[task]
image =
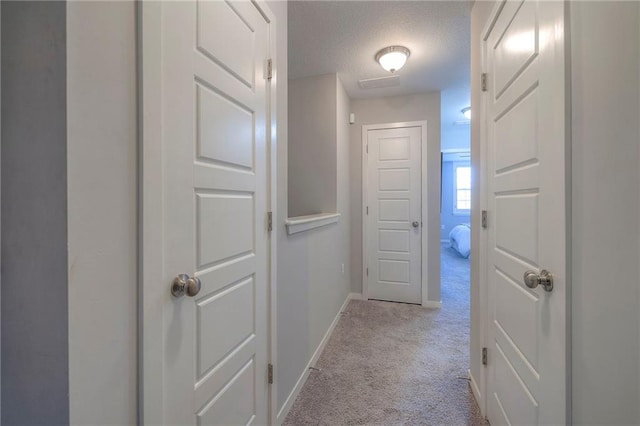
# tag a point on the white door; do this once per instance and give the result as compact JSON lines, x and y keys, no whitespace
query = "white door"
{"x":393,"y":214}
{"x":214,"y":136}
{"x":527,"y":349}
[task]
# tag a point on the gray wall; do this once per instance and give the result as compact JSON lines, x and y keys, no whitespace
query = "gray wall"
{"x":423,"y":106}
{"x":310,"y":285}
{"x":606,"y":292}
{"x":101,"y":98}
{"x":312,"y":145}
{"x":34,"y":214}
{"x":448,"y":220}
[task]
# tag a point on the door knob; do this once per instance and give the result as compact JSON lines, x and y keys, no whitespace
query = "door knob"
{"x":533,"y":280}
{"x":415,"y":224}
{"x":184,"y":284}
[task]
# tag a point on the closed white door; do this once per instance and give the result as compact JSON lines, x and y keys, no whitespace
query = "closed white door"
{"x":393,"y":214}
{"x":214,"y":148}
{"x":527,"y":350}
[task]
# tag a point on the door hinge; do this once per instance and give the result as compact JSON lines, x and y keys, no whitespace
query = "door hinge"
{"x":484,"y":219}
{"x":269,"y":69}
{"x":367,"y":209}
{"x":484,"y":356}
{"x":270,"y":374}
{"x":269,"y":221}
{"x":367,"y":148}
{"x":367,"y":271}
{"x":483,"y":80}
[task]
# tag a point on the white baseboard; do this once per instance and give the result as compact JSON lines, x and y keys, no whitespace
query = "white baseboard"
{"x":354,"y":296}
{"x":476,"y":393}
{"x":282,"y":414}
{"x":432,"y":304}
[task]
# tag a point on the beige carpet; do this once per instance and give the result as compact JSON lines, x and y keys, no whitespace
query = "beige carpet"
{"x":396,"y":364}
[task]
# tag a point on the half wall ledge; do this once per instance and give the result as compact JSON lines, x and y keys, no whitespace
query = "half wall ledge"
{"x":306,"y":223}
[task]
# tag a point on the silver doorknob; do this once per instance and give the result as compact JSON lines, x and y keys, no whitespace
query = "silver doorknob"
{"x":533,"y":280}
{"x":415,"y":224}
{"x":184,"y":284}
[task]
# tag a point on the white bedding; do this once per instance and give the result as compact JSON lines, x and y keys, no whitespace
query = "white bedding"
{"x":460,"y":237}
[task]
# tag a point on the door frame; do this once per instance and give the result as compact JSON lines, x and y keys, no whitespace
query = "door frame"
{"x":423,"y":193}
{"x":480,"y":389}
{"x":150,"y":201}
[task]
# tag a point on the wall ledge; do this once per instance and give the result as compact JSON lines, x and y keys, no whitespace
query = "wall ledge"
{"x":306,"y":223}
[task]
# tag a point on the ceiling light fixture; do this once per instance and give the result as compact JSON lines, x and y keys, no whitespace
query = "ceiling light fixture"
{"x":466,"y":112}
{"x":392,"y":58}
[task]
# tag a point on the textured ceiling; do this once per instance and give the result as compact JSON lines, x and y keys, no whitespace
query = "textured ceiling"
{"x":343,"y":37}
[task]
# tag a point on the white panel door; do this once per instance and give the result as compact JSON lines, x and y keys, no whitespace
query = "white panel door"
{"x":214,"y":103}
{"x":527,"y":376}
{"x":394,"y":215}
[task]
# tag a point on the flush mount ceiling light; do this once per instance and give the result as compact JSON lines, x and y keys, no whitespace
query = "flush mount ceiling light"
{"x":466,"y":112}
{"x":392,"y":58}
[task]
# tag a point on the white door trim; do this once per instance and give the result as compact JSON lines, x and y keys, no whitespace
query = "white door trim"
{"x":483,"y":244}
{"x":272,"y":202}
{"x":150,"y":198}
{"x":424,"y":195}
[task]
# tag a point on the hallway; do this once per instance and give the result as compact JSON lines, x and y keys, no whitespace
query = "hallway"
{"x":391,"y":363}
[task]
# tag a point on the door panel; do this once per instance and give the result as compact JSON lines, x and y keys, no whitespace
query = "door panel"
{"x":397,"y":241}
{"x":517,"y":316}
{"x":224,"y":217}
{"x":216,"y":18}
{"x":394,"y":271}
{"x":215,"y":202}
{"x":515,"y":48}
{"x":394,"y":210}
{"x":394,"y":246}
{"x":517,"y":237}
{"x":518,"y":400}
{"x":232,"y":407}
{"x":515,"y":135}
{"x":527,"y":376}
{"x":394,"y":180}
{"x":393,"y":149}
{"x":235,"y":308}
{"x":224,"y":130}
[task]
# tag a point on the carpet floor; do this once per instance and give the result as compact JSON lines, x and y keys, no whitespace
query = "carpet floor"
{"x":396,"y":364}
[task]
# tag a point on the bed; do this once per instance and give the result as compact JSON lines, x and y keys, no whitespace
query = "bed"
{"x":460,"y":238}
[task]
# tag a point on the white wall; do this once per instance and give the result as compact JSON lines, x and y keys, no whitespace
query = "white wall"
{"x":479,"y":15}
{"x":101,"y":155}
{"x":423,"y":106}
{"x":606,"y":308}
{"x":312,"y":145}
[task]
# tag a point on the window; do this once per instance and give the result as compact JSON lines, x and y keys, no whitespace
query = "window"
{"x":462,"y":189}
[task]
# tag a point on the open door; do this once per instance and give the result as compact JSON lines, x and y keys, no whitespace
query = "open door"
{"x":205,"y":185}
{"x":527,"y":209}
